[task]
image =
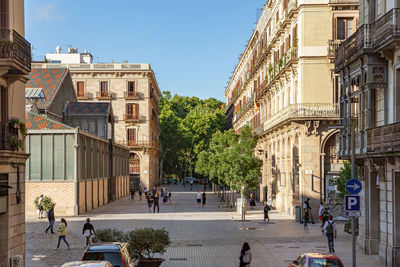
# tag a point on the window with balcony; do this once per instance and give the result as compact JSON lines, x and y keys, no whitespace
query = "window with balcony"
{"x":80,"y":89}
{"x":3,"y":104}
{"x":104,"y":88}
{"x":131,"y":137}
{"x":132,"y":111}
{"x":344,"y":28}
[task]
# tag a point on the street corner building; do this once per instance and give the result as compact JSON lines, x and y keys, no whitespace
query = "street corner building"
{"x":285,"y":89}
{"x":73,"y":158}
{"x":368,"y":63}
{"x":15,"y":64}
{"x":133,"y":91}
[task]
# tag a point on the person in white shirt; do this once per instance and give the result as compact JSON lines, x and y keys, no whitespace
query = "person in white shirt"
{"x":330,"y":232}
{"x":321,"y":212}
{"x":198,"y":197}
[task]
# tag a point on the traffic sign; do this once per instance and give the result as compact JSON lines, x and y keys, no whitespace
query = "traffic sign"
{"x":353,"y":186}
{"x":353,"y":213}
{"x":352,"y":203}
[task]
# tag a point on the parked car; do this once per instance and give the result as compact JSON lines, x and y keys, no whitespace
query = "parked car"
{"x":316,"y":260}
{"x":195,"y":180}
{"x":87,"y":264}
{"x":118,"y":254}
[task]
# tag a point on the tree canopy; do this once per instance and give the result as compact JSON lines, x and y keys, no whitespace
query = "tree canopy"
{"x":187,"y":125}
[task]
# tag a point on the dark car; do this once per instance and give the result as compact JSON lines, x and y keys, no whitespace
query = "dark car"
{"x":316,"y":260}
{"x":118,"y":254}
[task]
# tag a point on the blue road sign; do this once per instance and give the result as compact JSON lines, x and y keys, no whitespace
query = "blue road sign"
{"x":352,"y":203}
{"x":353,"y":186}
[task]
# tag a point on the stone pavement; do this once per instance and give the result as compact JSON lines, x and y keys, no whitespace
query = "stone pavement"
{"x":210,"y":236}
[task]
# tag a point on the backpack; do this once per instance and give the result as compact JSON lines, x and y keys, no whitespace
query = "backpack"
{"x":329,"y":228}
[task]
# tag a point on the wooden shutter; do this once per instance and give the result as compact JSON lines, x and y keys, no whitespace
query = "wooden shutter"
{"x":3,"y":104}
{"x":135,"y":110}
{"x":81,"y":88}
{"x":129,"y":108}
{"x":131,"y":87}
{"x":131,"y":136}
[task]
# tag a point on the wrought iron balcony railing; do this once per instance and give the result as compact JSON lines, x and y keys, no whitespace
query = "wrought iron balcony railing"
{"x":131,"y":95}
{"x":83,"y":96}
{"x":14,"y":47}
{"x":332,"y":46}
{"x":103,"y":95}
{"x":7,"y":135}
{"x":386,"y":27}
{"x":300,"y":111}
{"x":384,"y":139}
{"x":131,"y":117}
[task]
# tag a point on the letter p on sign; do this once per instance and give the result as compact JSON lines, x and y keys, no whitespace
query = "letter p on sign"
{"x":352,"y":203}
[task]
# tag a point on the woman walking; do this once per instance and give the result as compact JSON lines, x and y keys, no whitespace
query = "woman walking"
{"x":149,"y":201}
{"x":245,"y":255}
{"x":140,"y":192}
{"x":62,"y":233}
{"x":203,"y":199}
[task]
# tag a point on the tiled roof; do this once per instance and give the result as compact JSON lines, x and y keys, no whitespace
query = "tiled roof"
{"x":85,"y":108}
{"x":48,"y":80}
{"x":36,"y":121}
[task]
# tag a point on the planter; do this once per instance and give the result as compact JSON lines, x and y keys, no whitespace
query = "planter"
{"x":154,"y":262}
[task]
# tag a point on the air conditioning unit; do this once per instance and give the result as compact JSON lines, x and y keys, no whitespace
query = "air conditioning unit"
{"x":17,"y":261}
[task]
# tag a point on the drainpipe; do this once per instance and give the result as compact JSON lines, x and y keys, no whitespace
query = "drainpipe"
{"x":76,"y":198}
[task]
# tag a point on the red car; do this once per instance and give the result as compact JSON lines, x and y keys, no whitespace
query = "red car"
{"x":316,"y":260}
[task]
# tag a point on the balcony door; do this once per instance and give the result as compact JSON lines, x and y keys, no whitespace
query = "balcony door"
{"x":131,"y":88}
{"x":3,"y":104}
{"x":132,"y":109}
{"x":3,"y":14}
{"x":104,"y":88}
{"x":344,"y":28}
{"x":80,"y":88}
{"x":131,"y":136}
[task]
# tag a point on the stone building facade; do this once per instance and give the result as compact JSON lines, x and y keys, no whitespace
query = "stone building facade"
{"x":284,"y":88}
{"x":369,"y":66}
{"x":133,"y":91}
{"x":15,"y":64}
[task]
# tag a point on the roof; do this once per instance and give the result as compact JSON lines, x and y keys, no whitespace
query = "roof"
{"x":87,"y":108}
{"x":35,"y":121}
{"x":48,"y":80}
{"x":34,"y":93}
{"x":105,"y":247}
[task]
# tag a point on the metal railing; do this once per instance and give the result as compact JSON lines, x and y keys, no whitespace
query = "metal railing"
{"x":343,"y":2}
{"x":6,"y":133}
{"x":83,"y":96}
{"x":131,"y":117}
{"x":14,"y":46}
{"x":332,"y":46}
{"x":139,"y":144}
{"x":298,"y":111}
{"x":103,"y":95}
{"x":131,"y":95}
{"x":386,"y":26}
{"x":384,"y":139}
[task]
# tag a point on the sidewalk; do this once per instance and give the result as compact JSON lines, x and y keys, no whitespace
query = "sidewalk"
{"x":209,"y":236}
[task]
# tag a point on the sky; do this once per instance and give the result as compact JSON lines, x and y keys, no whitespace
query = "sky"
{"x":191,"y":45}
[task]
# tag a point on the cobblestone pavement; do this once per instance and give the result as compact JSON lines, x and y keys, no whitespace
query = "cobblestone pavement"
{"x":210,"y":236}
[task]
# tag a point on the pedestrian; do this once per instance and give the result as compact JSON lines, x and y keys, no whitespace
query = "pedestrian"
{"x":162,"y":191}
{"x":88,"y":231}
{"x":132,"y":193}
{"x":245,"y":255}
{"x":330,"y":232}
{"x":205,"y":185}
{"x":51,"y":218}
{"x":40,"y":206}
{"x":169,"y":196}
{"x":252,"y":201}
{"x":165,"y":196}
{"x":140,"y":192}
{"x":267,"y":208}
{"x":62,"y":230}
{"x":198,"y":197}
{"x":156,"y":198}
{"x":149,"y":201}
{"x":203,"y":199}
{"x":191,"y":184}
{"x":306,"y":218}
{"x":307,"y":206}
{"x":320,"y":212}
{"x":325,"y":216}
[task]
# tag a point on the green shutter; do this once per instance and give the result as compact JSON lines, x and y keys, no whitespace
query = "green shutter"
{"x":58,"y":157}
{"x":69,"y":157}
{"x":47,"y":157}
{"x":35,"y":157}
{"x":27,"y":170}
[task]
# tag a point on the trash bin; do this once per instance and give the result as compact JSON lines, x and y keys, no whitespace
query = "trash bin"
{"x":297,"y":213}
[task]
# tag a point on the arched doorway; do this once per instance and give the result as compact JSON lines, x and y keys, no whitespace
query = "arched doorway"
{"x":134,"y":170}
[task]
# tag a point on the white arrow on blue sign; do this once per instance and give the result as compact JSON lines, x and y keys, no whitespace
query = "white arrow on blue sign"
{"x":353,"y":186}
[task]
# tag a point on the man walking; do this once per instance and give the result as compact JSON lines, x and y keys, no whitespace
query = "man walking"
{"x":88,"y":231}
{"x":191,"y":184}
{"x":156,"y":199}
{"x":330,"y":232}
{"x":140,"y":192}
{"x":267,"y":208}
{"x":198,"y":197}
{"x":50,"y":216}
{"x":321,"y":212}
{"x":132,"y":193}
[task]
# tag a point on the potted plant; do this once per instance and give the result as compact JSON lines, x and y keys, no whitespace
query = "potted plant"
{"x":146,"y":243}
{"x":47,"y":204}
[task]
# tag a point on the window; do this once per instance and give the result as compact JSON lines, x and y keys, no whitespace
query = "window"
{"x":80,"y":88}
{"x":344,"y":28}
{"x":131,"y":136}
{"x":131,"y":87}
{"x":380,"y":8}
{"x":3,"y":104}
{"x":132,"y":108}
{"x":104,"y":88}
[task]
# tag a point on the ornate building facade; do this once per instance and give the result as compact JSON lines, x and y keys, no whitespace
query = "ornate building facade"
{"x":133,"y":91}
{"x":369,"y":66}
{"x":284,"y":88}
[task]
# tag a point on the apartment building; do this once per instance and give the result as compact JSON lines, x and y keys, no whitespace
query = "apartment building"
{"x":15,"y":64}
{"x":133,"y":91}
{"x":369,"y":66}
{"x":284,"y":88}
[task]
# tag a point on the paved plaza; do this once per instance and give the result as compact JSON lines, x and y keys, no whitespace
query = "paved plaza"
{"x":210,"y":236}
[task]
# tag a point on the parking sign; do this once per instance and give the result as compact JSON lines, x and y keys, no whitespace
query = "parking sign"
{"x":352,"y":203}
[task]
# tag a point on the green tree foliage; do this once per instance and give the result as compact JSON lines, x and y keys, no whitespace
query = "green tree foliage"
{"x":341,"y":180}
{"x":187,"y":125}
{"x":230,"y":159}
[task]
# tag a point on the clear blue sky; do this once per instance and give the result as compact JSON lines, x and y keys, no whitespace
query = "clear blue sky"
{"x":192,"y":45}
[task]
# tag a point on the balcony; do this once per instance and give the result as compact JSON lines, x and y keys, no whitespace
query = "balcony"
{"x":386,"y":30}
{"x":16,"y":50}
{"x":353,"y":46}
{"x":384,"y":139}
{"x":302,"y":111}
{"x":343,"y":2}
{"x":9,"y":138}
{"x":131,"y":95}
{"x":332,"y":46}
{"x":84,"y":96}
{"x":131,"y":118}
{"x":133,"y":144}
{"x":103,"y":95}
